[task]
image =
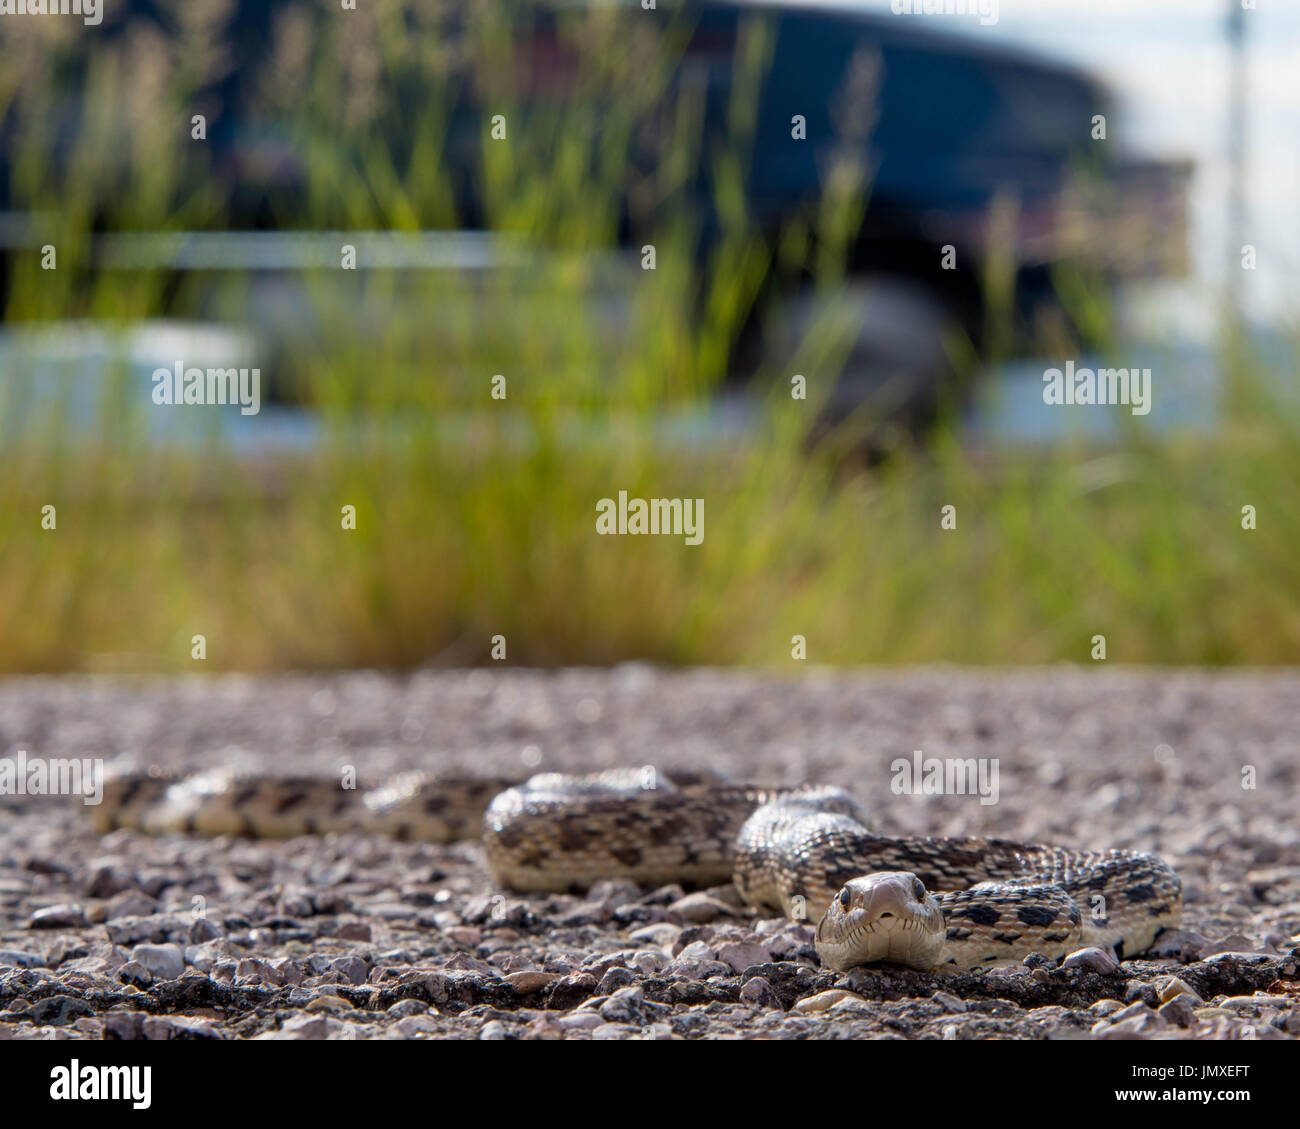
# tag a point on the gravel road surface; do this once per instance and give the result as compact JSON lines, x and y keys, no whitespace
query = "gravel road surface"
{"x":353,"y":937}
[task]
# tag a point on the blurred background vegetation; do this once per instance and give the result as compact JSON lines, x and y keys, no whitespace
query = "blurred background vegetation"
{"x":476,"y":517}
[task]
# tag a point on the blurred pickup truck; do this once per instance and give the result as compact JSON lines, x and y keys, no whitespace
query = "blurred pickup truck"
{"x":967,"y":145}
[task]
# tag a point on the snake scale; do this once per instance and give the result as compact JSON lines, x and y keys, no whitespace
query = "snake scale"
{"x":925,"y":903}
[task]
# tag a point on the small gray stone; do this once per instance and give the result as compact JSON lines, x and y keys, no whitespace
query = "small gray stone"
{"x":699,"y":908}
{"x":528,"y":981}
{"x":179,"y":1027}
{"x":650,"y":961}
{"x":614,"y":893}
{"x":613,"y":980}
{"x":1133,"y":1010}
{"x":124,"y":1025}
{"x":405,"y":1008}
{"x":352,"y":967}
{"x":823,"y":1001}
{"x":129,"y":903}
{"x":311,"y":1027}
{"x":1106,"y":1007}
{"x":743,"y":955}
{"x":1233,"y":943}
{"x":949,"y":1002}
{"x":108,"y":878}
{"x":1134,"y":1027}
{"x":661,"y":935}
{"x":1238,"y":1003}
{"x":412,"y":1025}
{"x":624,"y":1006}
{"x":353,"y":931}
{"x":1172,"y":988}
{"x":1092,"y":959}
{"x":697,"y":950}
{"x":697,"y":969}
{"x":1180,"y":1010}
{"x":330,"y":1003}
{"x":164,"y":962}
{"x":133,"y":972}
{"x":58,"y":917}
{"x":202,"y":930}
{"x":757,"y":991}
{"x":581,"y":1020}
{"x":1234,"y":957}
{"x":58,"y":1011}
{"x":286,"y":971}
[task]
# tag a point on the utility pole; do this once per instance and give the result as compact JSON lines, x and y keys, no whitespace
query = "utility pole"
{"x":1235,"y":148}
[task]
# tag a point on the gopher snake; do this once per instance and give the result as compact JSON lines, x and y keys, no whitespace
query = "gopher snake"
{"x":927,"y":903}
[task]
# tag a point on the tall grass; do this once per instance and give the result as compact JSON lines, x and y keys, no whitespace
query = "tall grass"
{"x":475,"y":516}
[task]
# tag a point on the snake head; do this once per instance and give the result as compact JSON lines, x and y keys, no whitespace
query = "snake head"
{"x":887,"y":916}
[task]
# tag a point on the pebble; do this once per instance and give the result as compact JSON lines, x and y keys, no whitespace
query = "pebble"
{"x":202,"y":930}
{"x":700,"y":908}
{"x":526,"y":983}
{"x":1180,"y":1010}
{"x":568,"y":991}
{"x":129,"y":903}
{"x":329,"y":1003}
{"x":107,"y":878}
{"x":758,"y":991}
{"x":164,"y":962}
{"x":58,"y":917}
{"x":662,"y":935}
{"x":624,"y":1006}
{"x":1092,"y":959}
{"x":165,"y":1027}
{"x":615,"y":978}
{"x":949,"y":1002}
{"x":1131,"y":1012}
{"x":1239,"y":1002}
{"x":739,"y":957}
{"x":353,"y":968}
{"x":311,"y":1027}
{"x":353,"y":931}
{"x":1233,"y":943}
{"x":696,"y":950}
{"x":650,"y":961}
{"x":1106,"y":1007}
{"x":57,"y":1011}
{"x":823,"y":1001}
{"x":125,"y":1024}
{"x":1172,"y":988}
{"x":696,"y":969}
{"x":1135,"y":1027}
{"x":133,"y":972}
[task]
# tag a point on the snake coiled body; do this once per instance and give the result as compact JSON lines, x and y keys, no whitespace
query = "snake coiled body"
{"x":930,"y":903}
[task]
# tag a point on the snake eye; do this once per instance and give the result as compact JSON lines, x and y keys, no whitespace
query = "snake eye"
{"x":844,"y":898}
{"x":918,"y":890}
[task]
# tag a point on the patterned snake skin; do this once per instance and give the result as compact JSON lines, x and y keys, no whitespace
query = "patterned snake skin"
{"x":929,"y":903}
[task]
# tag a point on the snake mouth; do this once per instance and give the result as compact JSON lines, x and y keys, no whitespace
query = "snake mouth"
{"x":888,"y":916}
